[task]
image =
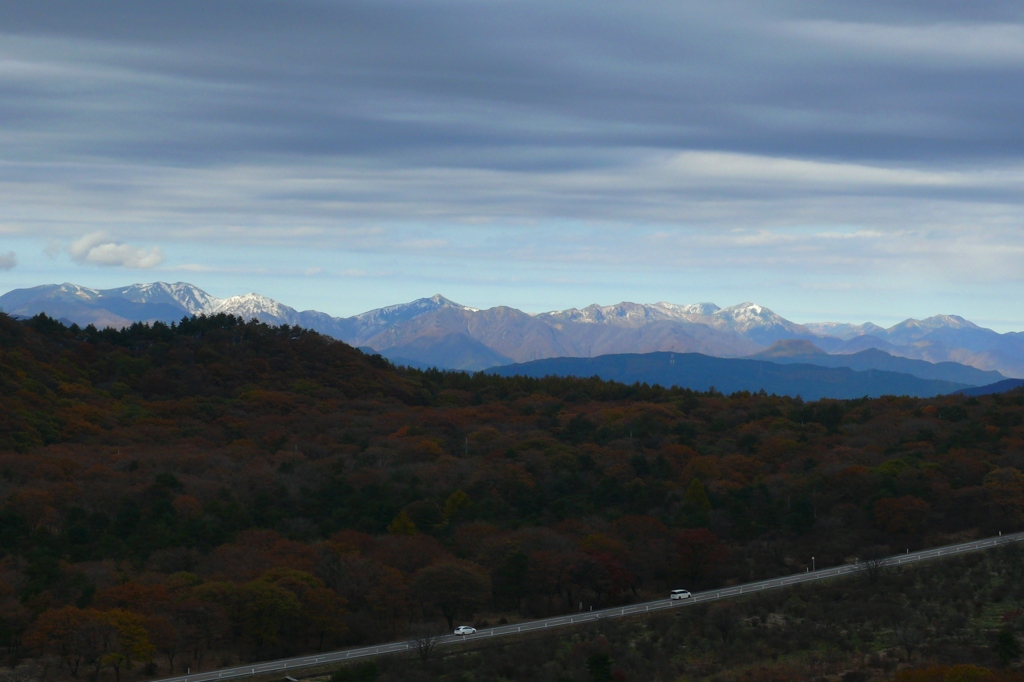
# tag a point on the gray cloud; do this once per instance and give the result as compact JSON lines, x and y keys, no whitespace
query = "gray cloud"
{"x":748,"y":128}
{"x":490,"y":84}
{"x":8,"y":261}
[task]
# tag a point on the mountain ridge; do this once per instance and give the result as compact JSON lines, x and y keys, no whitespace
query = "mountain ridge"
{"x":440,"y":332}
{"x":730,"y":375}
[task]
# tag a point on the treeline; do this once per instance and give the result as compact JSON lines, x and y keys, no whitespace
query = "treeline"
{"x":216,"y":491}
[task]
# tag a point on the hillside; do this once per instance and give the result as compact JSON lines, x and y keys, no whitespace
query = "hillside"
{"x":702,"y":373}
{"x":906,"y":625}
{"x":219,"y":491}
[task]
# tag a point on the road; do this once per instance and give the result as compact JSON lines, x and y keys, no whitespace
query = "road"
{"x":285,"y":666}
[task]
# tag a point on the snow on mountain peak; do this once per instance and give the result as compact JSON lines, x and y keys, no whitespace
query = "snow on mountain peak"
{"x":843,"y":330}
{"x":750,"y":313}
{"x":747,"y":309}
{"x":624,"y":313}
{"x":698,"y":309}
{"x":381,"y":318}
{"x":80,"y":291}
{"x":256,"y":305}
{"x":742,"y":317}
{"x":947,"y":321}
{"x":193,"y":299}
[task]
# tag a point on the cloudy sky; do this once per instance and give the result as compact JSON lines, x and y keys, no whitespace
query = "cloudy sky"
{"x":843,"y":160}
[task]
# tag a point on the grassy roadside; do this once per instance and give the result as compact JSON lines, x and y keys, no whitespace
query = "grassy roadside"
{"x":962,"y":610}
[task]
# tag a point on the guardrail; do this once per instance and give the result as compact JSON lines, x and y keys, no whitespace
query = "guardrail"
{"x":286,"y":665}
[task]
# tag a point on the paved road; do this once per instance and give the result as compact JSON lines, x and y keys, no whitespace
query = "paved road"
{"x":286,"y":665}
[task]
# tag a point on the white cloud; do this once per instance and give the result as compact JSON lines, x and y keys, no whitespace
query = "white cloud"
{"x":8,"y":260}
{"x":97,"y":248}
{"x":957,"y":44}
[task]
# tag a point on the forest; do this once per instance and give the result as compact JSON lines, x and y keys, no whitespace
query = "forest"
{"x":190,"y":496}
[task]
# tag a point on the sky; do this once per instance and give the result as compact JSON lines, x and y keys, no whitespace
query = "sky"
{"x":846,"y":161}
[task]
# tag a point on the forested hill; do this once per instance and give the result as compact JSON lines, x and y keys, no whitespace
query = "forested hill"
{"x":217,"y":491}
{"x":69,"y":384}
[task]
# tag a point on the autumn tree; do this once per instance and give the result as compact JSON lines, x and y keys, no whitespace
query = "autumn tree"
{"x":321,"y":609}
{"x":458,"y":506}
{"x":696,"y":505}
{"x":80,"y":637}
{"x":128,"y":642}
{"x":266,"y":608}
{"x":904,"y":515}
{"x":402,"y":525}
{"x":166,"y":639}
{"x":200,"y":626}
{"x":454,"y":587}
{"x":698,"y":553}
{"x":1005,"y":488}
{"x":389,"y":597}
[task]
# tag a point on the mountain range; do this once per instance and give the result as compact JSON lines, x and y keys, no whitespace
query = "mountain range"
{"x":438,"y":332}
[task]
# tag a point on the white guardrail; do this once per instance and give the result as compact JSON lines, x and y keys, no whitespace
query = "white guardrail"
{"x":286,"y":665}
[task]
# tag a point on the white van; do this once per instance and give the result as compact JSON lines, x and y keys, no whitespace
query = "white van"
{"x":680,"y":594}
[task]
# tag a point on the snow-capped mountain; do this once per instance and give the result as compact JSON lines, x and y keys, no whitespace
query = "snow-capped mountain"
{"x":53,"y":292}
{"x":746,"y":319}
{"x":191,"y":298}
{"x":843,"y":330}
{"x":438,"y":331}
{"x":758,"y":323}
{"x":109,"y":307}
{"x":256,"y":306}
{"x":622,"y":314}
{"x":698,"y":309}
{"x":377,"y":320}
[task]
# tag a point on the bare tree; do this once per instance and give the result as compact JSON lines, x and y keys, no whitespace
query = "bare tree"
{"x":910,"y":636}
{"x":38,"y":670}
{"x":725,"y":618}
{"x":774,"y":545}
{"x":425,"y":638}
{"x":1013,"y":565}
{"x":873,"y":562}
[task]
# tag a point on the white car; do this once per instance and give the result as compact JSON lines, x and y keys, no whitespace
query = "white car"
{"x":465,"y":630}
{"x":680,"y":594}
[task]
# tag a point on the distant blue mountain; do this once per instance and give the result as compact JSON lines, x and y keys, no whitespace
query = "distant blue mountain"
{"x":998,"y":387}
{"x":728,"y":375}
{"x":804,"y":352}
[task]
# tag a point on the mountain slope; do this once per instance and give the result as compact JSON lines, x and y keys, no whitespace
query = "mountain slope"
{"x":788,"y":348}
{"x":449,"y":350}
{"x":506,"y":331}
{"x":701,"y":372}
{"x":366,"y":325}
